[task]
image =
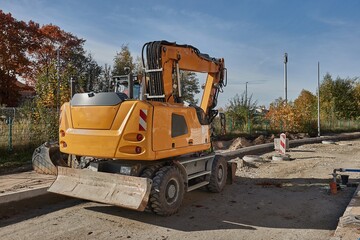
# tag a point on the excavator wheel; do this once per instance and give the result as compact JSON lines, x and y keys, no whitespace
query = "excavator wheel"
{"x":167,"y":191}
{"x":149,"y":172}
{"x":218,"y":175}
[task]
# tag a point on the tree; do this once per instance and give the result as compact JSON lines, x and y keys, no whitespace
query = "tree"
{"x":122,"y":59}
{"x":46,"y":87}
{"x":138,"y":66}
{"x":282,"y":116}
{"x":105,"y":79}
{"x":357,"y":94}
{"x":241,"y":111}
{"x":28,"y":50}
{"x":305,"y":106}
{"x":189,"y":86}
{"x":53,"y":41}
{"x":15,"y":44}
{"x":88,"y":75}
{"x":338,"y":98}
{"x":60,"y":53}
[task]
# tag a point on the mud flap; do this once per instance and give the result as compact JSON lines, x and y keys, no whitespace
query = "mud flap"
{"x":232,"y":166}
{"x":115,"y":189}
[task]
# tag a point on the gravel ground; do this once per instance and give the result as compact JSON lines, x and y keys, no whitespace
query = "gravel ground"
{"x":269,"y":200}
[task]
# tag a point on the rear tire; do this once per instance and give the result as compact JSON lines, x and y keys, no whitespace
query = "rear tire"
{"x":218,"y":174}
{"x":167,"y":191}
{"x":149,"y":172}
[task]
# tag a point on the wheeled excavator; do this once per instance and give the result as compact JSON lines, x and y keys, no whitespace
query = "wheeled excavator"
{"x":145,"y":153}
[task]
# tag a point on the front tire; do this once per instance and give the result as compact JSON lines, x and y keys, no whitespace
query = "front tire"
{"x":167,"y":191}
{"x":218,"y":174}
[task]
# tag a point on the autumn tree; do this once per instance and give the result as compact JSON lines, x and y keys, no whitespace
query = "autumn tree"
{"x":28,"y":51}
{"x":62,"y":52}
{"x":305,"y":106}
{"x":14,"y":47}
{"x":282,"y":116}
{"x":122,"y":59}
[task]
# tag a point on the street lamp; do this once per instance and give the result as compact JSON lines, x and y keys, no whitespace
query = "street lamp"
{"x":285,"y":76}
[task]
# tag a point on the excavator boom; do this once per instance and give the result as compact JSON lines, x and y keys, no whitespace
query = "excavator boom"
{"x":163,"y":59}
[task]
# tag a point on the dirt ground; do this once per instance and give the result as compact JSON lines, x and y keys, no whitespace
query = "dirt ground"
{"x":269,"y":200}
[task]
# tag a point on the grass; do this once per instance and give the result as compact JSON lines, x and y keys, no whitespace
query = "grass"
{"x":26,"y":136}
{"x":10,"y":161}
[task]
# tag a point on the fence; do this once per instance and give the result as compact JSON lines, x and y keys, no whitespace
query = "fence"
{"x":28,"y":128}
{"x":25,"y":128}
{"x":260,"y":124}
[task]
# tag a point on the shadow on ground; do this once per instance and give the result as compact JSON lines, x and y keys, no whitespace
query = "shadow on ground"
{"x":302,"y":203}
{"x":11,"y":213}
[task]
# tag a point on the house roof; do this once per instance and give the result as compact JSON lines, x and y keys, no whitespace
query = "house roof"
{"x":24,"y":87}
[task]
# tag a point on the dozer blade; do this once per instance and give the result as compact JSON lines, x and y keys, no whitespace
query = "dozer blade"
{"x":115,"y":189}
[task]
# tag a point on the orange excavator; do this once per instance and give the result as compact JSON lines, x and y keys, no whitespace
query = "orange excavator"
{"x":145,"y":152}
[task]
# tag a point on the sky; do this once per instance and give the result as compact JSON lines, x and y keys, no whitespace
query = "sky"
{"x":251,"y":35}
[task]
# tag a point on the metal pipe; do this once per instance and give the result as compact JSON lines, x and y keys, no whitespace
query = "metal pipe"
{"x":345,"y":170}
{"x":349,"y":170}
{"x":178,"y":79}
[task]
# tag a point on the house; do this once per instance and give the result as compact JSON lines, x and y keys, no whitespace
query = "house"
{"x":26,"y":92}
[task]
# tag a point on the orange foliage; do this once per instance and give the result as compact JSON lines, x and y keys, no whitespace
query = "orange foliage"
{"x":27,"y":48}
{"x":282,"y":116}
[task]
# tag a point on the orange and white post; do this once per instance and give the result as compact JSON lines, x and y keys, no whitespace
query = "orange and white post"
{"x":282,"y":148}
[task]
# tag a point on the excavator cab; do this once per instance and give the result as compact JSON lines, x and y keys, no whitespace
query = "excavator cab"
{"x":128,"y":84}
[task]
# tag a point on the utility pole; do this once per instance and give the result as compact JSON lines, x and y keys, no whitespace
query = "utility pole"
{"x":285,"y":76}
{"x":318,"y":93}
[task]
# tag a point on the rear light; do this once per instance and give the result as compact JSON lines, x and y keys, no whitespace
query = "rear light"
{"x":139,"y":137}
{"x":63,"y":144}
{"x":62,"y":133}
{"x":138,"y":149}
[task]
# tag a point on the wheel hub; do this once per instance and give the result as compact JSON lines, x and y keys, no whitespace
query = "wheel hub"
{"x":172,"y":191}
{"x":220,"y":173}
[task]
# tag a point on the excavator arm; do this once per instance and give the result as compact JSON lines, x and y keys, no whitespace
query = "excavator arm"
{"x":164,"y":60}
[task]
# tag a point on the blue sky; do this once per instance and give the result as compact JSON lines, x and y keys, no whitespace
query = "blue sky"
{"x":252,"y":35}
